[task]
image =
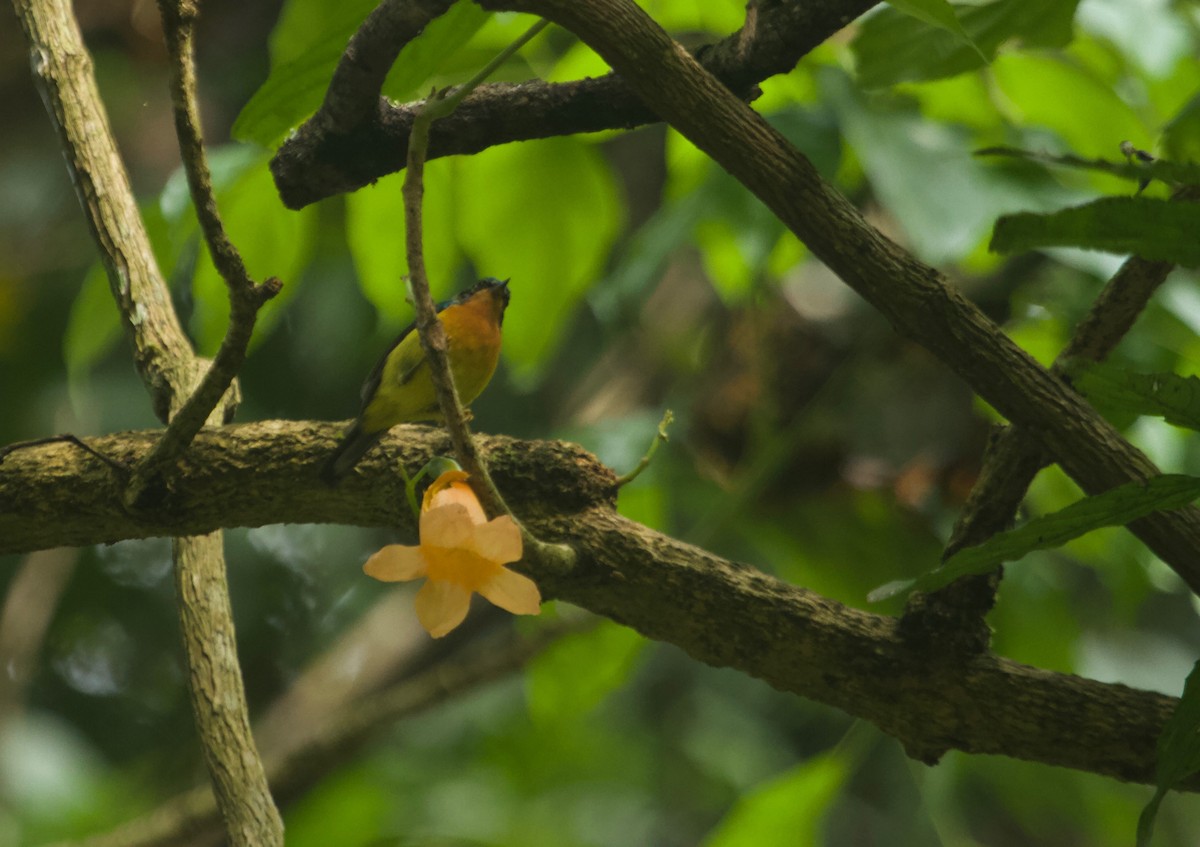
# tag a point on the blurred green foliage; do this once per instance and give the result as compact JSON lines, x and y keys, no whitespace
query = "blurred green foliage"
{"x":811,"y":442}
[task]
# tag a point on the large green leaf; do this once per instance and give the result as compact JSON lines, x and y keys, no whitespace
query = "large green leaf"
{"x":790,"y":808}
{"x":894,"y":47}
{"x":375,"y":233}
{"x":512,"y":223}
{"x":1116,"y":507}
{"x":307,"y":46}
{"x":1178,"y":752}
{"x":1174,"y":398}
{"x":1142,"y":226}
{"x":431,"y":52}
{"x":93,"y":326}
{"x":273,"y":242}
{"x":1066,"y":96}
{"x":578,"y":671}
{"x":937,"y":13}
{"x":794,"y":803}
{"x":944,"y":199}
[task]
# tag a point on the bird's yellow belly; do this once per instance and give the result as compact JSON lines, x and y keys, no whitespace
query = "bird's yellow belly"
{"x":400,"y":400}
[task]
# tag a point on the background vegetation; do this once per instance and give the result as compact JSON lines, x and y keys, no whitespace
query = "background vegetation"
{"x":810,"y":440}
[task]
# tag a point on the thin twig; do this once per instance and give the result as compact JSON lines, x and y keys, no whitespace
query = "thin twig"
{"x":429,"y":328}
{"x":245,"y":298}
{"x":659,"y":437}
{"x":65,"y":438}
{"x":432,"y":335}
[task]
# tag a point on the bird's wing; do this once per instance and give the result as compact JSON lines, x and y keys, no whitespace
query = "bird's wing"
{"x":372,"y":384}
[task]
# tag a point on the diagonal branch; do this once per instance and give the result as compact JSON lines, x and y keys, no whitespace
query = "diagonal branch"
{"x":357,"y":137}
{"x":955,"y":614}
{"x":721,"y":612}
{"x":245,"y":298}
{"x":917,"y":299}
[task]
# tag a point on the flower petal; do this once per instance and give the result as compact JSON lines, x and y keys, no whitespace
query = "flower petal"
{"x":462,"y":494}
{"x":445,"y":480}
{"x":396,"y":563}
{"x":447,"y":526}
{"x":441,"y":606}
{"x":513,"y":592}
{"x":499,"y":540}
{"x":452,"y":487}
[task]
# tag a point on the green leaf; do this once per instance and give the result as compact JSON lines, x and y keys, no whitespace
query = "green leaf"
{"x":273,"y":242}
{"x":1178,"y":752}
{"x":304,"y":56}
{"x":305,"y":47}
{"x":1181,"y":137}
{"x":93,"y":326}
{"x":1062,"y":94}
{"x":904,"y":154}
{"x":577,"y":672}
{"x":375,"y":233}
{"x":1176,"y":399}
{"x":937,"y":13}
{"x":1116,"y":507}
{"x":789,"y":808}
{"x":793,"y":803}
{"x":1142,"y":226}
{"x":437,"y":45}
{"x":893,"y":47}
{"x":521,"y":232}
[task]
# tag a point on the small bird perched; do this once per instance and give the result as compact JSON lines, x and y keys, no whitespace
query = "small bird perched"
{"x":400,"y":388}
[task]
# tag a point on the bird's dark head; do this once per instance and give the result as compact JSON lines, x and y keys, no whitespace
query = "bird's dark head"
{"x":495,"y":290}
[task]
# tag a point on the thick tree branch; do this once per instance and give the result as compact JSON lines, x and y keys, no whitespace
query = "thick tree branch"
{"x":254,"y":474}
{"x":218,"y":695}
{"x":918,"y":300}
{"x":353,"y":95}
{"x":721,"y":612}
{"x":351,"y":142}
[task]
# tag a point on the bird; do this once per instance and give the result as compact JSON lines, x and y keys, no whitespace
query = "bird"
{"x":400,"y":388}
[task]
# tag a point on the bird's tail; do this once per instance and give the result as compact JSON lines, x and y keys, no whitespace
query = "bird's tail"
{"x":353,"y":446}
